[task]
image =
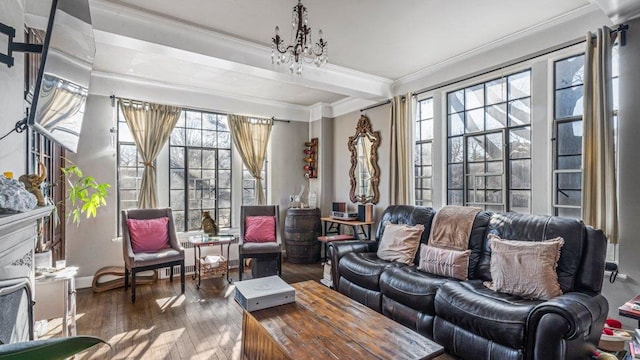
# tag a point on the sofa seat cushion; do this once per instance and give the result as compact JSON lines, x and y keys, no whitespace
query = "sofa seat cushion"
{"x":364,"y":269}
{"x":411,"y":287}
{"x":498,"y":317}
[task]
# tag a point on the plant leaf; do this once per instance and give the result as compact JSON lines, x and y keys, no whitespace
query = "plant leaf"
{"x":56,"y":348}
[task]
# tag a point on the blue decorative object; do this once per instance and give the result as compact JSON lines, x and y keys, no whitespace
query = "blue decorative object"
{"x":13,"y":196}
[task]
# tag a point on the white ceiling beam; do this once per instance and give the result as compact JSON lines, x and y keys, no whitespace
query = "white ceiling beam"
{"x":117,"y":22}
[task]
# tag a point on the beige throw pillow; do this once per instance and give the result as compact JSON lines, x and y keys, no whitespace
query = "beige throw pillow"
{"x":525,"y":268}
{"x":400,"y":242}
{"x":443,"y":262}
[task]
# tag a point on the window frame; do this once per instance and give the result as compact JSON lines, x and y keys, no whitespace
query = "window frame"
{"x":419,"y":142}
{"x":506,"y":169}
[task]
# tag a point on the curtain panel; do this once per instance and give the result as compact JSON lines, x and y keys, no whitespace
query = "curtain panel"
{"x":150,"y":125}
{"x":401,"y":183}
{"x":599,"y":190}
{"x":251,"y":136}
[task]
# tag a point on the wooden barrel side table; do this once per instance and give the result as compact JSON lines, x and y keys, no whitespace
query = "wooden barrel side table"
{"x":301,"y":230}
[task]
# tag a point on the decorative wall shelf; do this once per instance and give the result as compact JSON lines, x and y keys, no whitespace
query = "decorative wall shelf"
{"x":311,"y":158}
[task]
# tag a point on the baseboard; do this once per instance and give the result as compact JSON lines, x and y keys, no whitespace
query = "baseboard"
{"x":84,"y":282}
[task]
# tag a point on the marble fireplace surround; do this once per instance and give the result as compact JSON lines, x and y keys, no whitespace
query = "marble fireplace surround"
{"x":18,"y":234}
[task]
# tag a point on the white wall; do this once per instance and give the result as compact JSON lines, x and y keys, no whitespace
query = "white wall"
{"x":89,"y":245}
{"x":13,"y":148}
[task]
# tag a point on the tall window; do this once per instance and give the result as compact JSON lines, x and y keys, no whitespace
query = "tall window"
{"x":568,"y":93}
{"x":130,"y":168}
{"x":568,"y":111}
{"x":200,"y":169}
{"x":489,"y":144}
{"x":423,"y":162}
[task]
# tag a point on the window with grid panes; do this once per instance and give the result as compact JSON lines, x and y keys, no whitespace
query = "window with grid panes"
{"x":489,"y":144}
{"x":568,"y":111}
{"x":130,"y":168}
{"x":423,"y":162}
{"x":200,"y":169}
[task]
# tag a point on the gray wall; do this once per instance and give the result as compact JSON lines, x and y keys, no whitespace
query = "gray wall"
{"x":629,"y":170}
{"x":12,"y":148}
{"x":286,"y":173}
{"x":323,"y":184}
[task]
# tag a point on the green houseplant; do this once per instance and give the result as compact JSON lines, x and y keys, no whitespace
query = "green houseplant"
{"x":85,"y":194}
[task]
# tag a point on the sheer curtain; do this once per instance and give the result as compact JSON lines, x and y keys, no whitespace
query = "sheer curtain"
{"x":401,"y":179}
{"x":250,"y":136}
{"x":151,"y":125}
{"x":600,"y":196}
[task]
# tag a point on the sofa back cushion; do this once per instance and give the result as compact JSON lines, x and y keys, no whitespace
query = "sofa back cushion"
{"x":400,"y":242}
{"x":409,"y":215}
{"x":538,"y":228}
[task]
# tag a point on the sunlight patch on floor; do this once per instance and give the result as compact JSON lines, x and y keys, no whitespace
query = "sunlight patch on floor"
{"x":173,"y":301}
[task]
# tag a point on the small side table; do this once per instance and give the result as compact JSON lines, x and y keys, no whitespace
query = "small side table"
{"x":198,"y":242}
{"x":55,"y":297}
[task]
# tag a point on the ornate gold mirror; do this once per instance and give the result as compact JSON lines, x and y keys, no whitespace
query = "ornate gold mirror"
{"x":364,"y":173}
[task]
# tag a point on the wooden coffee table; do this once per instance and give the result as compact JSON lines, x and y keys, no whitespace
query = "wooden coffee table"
{"x":324,"y":324}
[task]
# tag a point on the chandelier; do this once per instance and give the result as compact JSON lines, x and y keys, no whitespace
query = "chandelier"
{"x":302,"y":49}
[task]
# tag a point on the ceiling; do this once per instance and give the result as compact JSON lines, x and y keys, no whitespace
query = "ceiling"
{"x":222,"y":47}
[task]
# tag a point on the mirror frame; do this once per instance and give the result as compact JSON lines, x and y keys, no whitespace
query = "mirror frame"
{"x":363,"y":129}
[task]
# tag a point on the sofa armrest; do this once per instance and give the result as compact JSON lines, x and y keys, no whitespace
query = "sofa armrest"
{"x":570,"y":318}
{"x":338,"y":249}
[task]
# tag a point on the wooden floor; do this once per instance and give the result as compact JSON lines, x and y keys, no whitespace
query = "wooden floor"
{"x":163,"y":324}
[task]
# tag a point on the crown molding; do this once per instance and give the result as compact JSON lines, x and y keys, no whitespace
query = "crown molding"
{"x":320,"y":110}
{"x":503,"y":41}
{"x":107,"y":84}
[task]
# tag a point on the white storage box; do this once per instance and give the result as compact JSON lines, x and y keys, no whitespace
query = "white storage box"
{"x":262,"y":293}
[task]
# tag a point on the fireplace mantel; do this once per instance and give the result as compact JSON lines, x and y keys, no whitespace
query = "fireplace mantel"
{"x":17,"y":242}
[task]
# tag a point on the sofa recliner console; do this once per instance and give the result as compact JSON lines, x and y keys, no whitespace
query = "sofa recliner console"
{"x":467,"y":318}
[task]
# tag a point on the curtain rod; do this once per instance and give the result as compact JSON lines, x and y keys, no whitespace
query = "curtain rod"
{"x":621,"y":29}
{"x":376,"y":105}
{"x":113,"y":103}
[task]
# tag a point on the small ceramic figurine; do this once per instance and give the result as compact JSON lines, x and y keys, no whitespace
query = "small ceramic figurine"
{"x":208,"y":224}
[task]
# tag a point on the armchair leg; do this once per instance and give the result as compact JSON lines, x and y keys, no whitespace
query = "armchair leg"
{"x":133,"y":286}
{"x":240,"y":266}
{"x":182,"y":276}
{"x":126,"y":278}
{"x":171,"y":274}
{"x":280,"y":264}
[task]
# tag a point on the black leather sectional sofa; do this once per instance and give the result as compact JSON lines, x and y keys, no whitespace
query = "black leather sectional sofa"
{"x":470,"y":320}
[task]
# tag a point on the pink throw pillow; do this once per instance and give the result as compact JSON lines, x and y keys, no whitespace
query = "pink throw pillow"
{"x":260,"y":229}
{"x":148,"y":235}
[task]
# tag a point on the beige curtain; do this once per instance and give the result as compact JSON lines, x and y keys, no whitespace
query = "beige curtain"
{"x":250,"y":137}
{"x":599,"y":192}
{"x":401,"y":180}
{"x":151,"y":125}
